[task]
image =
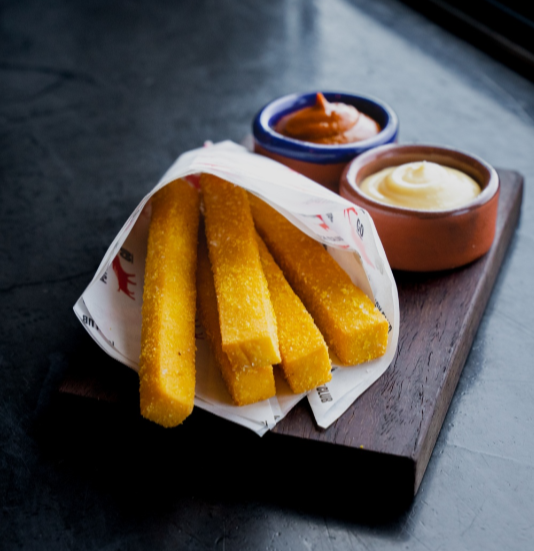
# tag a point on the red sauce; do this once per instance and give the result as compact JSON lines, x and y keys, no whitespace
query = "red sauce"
{"x":328,"y":123}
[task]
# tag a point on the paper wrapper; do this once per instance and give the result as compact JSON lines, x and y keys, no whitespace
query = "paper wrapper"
{"x":110,"y":307}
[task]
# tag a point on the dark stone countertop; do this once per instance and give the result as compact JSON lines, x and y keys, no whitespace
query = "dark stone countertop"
{"x":96,"y":100}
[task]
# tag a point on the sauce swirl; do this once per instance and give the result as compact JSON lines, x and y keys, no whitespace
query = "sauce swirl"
{"x":421,"y":186}
{"x":328,"y":123}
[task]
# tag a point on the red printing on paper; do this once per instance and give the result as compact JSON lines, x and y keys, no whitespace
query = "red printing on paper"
{"x":124,"y":278}
{"x":323,"y":224}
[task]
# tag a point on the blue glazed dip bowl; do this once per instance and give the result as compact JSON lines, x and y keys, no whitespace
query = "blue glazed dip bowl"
{"x":319,"y":162}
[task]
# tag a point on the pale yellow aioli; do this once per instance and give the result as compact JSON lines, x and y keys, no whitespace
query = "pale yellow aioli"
{"x":421,"y":186}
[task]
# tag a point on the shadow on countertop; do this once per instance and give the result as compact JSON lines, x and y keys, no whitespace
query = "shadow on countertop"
{"x":111,"y":453}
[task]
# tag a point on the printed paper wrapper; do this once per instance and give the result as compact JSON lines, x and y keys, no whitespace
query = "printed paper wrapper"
{"x":110,"y":307}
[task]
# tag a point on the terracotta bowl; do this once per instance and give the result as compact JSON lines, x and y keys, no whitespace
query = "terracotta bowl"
{"x":423,"y":241}
{"x":322,"y":163}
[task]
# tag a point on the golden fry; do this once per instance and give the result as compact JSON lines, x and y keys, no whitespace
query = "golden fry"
{"x":247,"y":321}
{"x":305,"y":360}
{"x":246,"y":385}
{"x":167,"y":361}
{"x":349,"y":321}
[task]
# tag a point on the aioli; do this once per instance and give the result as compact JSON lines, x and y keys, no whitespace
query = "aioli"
{"x":328,"y":123}
{"x":421,"y":186}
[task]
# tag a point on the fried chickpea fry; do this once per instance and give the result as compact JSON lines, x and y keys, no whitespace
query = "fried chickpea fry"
{"x":305,"y":360}
{"x":349,"y":321}
{"x":247,"y":320}
{"x":167,"y":361}
{"x":246,"y":385}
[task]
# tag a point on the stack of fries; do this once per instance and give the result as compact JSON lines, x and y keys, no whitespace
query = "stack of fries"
{"x":265,"y":293}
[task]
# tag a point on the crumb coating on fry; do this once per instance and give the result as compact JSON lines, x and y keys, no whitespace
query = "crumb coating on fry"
{"x":305,"y":360}
{"x":167,"y":361}
{"x":246,"y":316}
{"x":349,"y":321}
{"x":246,"y":385}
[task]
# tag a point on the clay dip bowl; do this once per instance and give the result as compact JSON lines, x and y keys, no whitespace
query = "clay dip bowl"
{"x":319,"y":162}
{"x":421,"y":241}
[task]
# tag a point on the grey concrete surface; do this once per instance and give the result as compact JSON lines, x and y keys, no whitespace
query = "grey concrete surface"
{"x":96,"y":100}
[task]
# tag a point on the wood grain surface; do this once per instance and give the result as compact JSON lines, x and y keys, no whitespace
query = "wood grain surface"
{"x":395,"y":423}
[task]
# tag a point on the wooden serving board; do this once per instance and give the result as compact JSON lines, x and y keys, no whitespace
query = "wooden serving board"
{"x":390,"y":431}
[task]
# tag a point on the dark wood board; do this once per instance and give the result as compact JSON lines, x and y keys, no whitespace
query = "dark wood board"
{"x":395,"y":423}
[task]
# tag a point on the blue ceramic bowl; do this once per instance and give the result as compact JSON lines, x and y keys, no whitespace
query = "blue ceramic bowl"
{"x":322,"y":163}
